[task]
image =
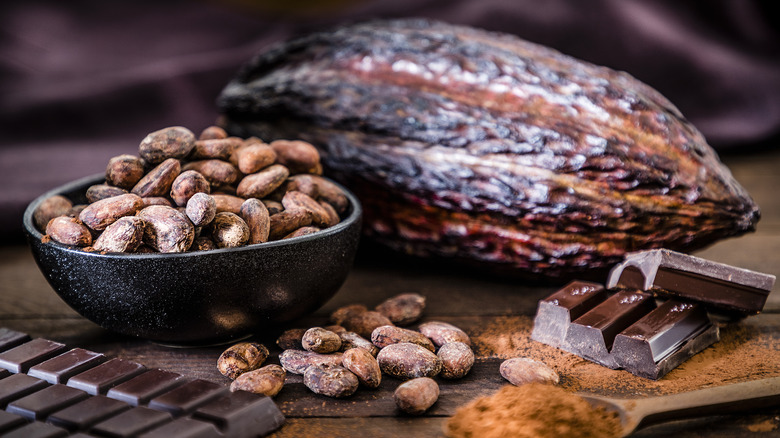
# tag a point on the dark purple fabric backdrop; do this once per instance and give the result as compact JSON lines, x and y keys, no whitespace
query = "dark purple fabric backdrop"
{"x":82,"y":81}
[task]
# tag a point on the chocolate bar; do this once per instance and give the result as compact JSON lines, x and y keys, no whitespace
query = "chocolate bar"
{"x":723,"y":289}
{"x":47,"y":392}
{"x":591,"y":336}
{"x":556,"y":312}
{"x":664,"y":338}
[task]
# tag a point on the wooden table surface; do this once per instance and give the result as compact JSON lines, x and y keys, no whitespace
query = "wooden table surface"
{"x":463,"y":298}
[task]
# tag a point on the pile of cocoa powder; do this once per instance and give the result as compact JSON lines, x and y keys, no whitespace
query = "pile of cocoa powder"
{"x":534,"y":410}
{"x":745,"y":352}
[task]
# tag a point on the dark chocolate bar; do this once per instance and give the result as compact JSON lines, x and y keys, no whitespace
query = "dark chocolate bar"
{"x":556,"y":312}
{"x":591,"y":335}
{"x":724,"y":289}
{"x":664,"y":338}
{"x":57,"y":396}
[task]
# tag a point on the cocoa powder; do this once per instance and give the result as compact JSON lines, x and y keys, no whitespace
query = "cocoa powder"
{"x":535,"y":410}
{"x":745,"y":352}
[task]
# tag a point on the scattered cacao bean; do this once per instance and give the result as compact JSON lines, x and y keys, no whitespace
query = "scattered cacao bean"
{"x":201,"y":209}
{"x":522,"y":370}
{"x":343,"y":313}
{"x":297,"y":361}
{"x":402,"y":309}
{"x":172,"y":142}
{"x":456,"y":360}
{"x":159,"y":180}
{"x":124,"y":235}
{"x":124,"y":171}
{"x":50,"y":208}
{"x":240,"y":358}
{"x":105,"y":212}
{"x":407,"y":361}
{"x":389,"y":334}
{"x":256,"y":216}
{"x":319,"y":340}
{"x":298,"y":156}
{"x":102,"y":191}
{"x":363,"y":365}
{"x":187,"y":184}
{"x":228,"y":230}
{"x":267,"y":381}
{"x":291,"y":339}
{"x":259,"y":184}
{"x":354,"y":340}
{"x":365,"y":323}
{"x":167,"y":229}
{"x":68,"y":231}
{"x":443,"y":332}
{"x":417,"y":395}
{"x":330,"y":380}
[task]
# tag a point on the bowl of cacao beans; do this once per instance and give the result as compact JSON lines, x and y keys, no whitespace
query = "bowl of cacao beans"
{"x":195,"y":264}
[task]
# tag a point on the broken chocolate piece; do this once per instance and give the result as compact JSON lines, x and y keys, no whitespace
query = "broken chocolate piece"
{"x":664,"y":338}
{"x":723,"y":289}
{"x":591,"y":336}
{"x":556,"y":312}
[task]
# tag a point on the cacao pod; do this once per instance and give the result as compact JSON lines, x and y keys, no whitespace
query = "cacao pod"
{"x":481,"y":146}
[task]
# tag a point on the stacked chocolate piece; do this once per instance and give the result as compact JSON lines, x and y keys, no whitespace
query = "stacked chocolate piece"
{"x":655,"y":311}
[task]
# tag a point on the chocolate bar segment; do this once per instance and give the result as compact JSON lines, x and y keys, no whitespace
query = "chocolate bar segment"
{"x":242,"y":414}
{"x":591,"y":335}
{"x":724,"y":289}
{"x":85,"y":413}
{"x":131,"y":423}
{"x":37,"y":430}
{"x":60,"y":368}
{"x":140,"y":389}
{"x":20,"y":358}
{"x":556,"y":312}
{"x":99,"y":379}
{"x":664,"y":338}
{"x":38,"y":405}
{"x":184,"y":428}
{"x":18,"y":386}
{"x":187,"y":397}
{"x":11,"y":338}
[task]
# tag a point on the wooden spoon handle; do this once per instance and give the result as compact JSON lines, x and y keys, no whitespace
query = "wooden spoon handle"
{"x":725,"y":399}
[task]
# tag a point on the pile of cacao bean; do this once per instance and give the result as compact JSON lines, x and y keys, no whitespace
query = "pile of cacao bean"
{"x":187,"y":194}
{"x":357,"y":350}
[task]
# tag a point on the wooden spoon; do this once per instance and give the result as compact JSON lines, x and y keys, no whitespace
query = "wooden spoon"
{"x":641,"y":412}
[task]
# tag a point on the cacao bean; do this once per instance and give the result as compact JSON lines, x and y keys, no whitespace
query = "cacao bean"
{"x":217,"y":172}
{"x":267,"y":381}
{"x":159,"y":180}
{"x":335,"y":328}
{"x":408,"y":361}
{"x":331,"y":193}
{"x":102,"y":191}
{"x":456,"y":360}
{"x":76,"y":210}
{"x":172,"y":142}
{"x":254,"y":157}
{"x":228,"y":203}
{"x":201,"y":209}
{"x":297,"y":361}
{"x":363,"y":365}
{"x":416,"y":396}
{"x":354,"y":340}
{"x":155,"y":200}
{"x":51,"y":207}
{"x":443,"y":332}
{"x":202,"y":243}
{"x":365,"y":323}
{"x":303,"y":183}
{"x":341,"y":314}
{"x":68,"y":231}
{"x":256,"y":216}
{"x":291,"y":339}
{"x":333,"y":216}
{"x":259,"y":184}
{"x":301,"y":201}
{"x":187,"y":184}
{"x":319,"y":340}
{"x":124,"y":235}
{"x":303,"y":231}
{"x":273,"y":207}
{"x":167,"y":230}
{"x":402,"y":309}
{"x":298,"y":156}
{"x":522,"y":370}
{"x":389,"y":334}
{"x":228,"y":230}
{"x":105,"y":212}
{"x":217,"y":148}
{"x":240,"y":358}
{"x":330,"y":380}
{"x":212,"y":132}
{"x":124,"y":171}
{"x":285,"y":222}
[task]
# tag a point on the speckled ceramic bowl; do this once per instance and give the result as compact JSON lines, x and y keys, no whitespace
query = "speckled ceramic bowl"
{"x":197,"y":298}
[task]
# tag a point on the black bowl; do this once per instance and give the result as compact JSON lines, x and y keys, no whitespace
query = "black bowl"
{"x":203,"y":297}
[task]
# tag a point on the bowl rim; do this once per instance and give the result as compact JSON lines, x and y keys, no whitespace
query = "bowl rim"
{"x":27,"y":220}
